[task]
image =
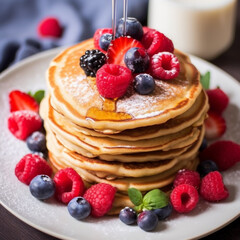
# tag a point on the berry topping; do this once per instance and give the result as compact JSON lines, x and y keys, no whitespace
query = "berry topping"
{"x":163,"y":213}
{"x":100,"y":196}
{"x":50,"y":27}
{"x":68,"y":185}
{"x":186,"y":176}
{"x":22,"y":101}
{"x":91,"y":61}
{"x":36,"y":142}
{"x":42,"y":187}
{"x":133,"y":28}
{"x":30,"y":166}
{"x":23,"y":123}
{"x":212,"y":187}
{"x":79,"y":208}
{"x":144,"y":84}
{"x":206,"y":167}
{"x":184,"y":198}
{"x":137,"y":60}
{"x":146,"y":29}
{"x":147,"y":220}
{"x":224,"y":153}
{"x":105,"y":41}
{"x":164,"y":65}
{"x":215,"y":126}
{"x":128,"y":216}
{"x":218,"y":100}
{"x":113,"y":80}
{"x":118,"y":48}
{"x":156,"y":42}
{"x":99,"y":32}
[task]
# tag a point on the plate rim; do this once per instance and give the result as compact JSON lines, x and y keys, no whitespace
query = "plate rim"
{"x":54,"y":52}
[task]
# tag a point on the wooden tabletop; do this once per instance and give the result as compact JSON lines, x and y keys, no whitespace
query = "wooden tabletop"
{"x":11,"y":228}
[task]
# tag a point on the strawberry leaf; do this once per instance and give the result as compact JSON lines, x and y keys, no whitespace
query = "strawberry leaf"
{"x":205,"y":80}
{"x":135,"y":196}
{"x":39,"y":95}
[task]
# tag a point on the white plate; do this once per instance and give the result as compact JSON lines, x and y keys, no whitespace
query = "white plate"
{"x":53,"y":218}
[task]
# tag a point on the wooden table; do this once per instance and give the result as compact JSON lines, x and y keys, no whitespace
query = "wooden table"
{"x":11,"y":228}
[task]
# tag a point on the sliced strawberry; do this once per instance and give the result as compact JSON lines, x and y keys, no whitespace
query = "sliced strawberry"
{"x":215,"y":125}
{"x":99,"y":32}
{"x":218,"y":100}
{"x":224,"y":153}
{"x":156,"y":42}
{"x":119,"y":47}
{"x":22,"y":101}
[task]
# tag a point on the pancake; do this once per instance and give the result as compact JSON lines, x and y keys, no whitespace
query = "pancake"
{"x":194,"y":116}
{"x":76,"y":96}
{"x":114,"y":168}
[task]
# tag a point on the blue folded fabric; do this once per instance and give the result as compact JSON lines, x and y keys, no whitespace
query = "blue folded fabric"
{"x":80,"y":18}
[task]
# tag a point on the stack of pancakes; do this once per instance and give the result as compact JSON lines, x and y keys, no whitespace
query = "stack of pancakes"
{"x":138,"y":141}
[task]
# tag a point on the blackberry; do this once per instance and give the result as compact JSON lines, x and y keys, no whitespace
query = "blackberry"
{"x":91,"y":61}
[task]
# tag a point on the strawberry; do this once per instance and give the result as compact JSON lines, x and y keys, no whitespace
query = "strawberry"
{"x":22,"y":101}
{"x":146,"y":29}
{"x":215,"y":125}
{"x":224,"y":153}
{"x":119,"y":47}
{"x":99,"y":32}
{"x":218,"y":100}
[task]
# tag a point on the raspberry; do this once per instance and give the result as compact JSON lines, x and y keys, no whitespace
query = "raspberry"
{"x":218,"y":100}
{"x":100,"y":196}
{"x":30,"y":166}
{"x":184,"y":198}
{"x":113,"y":80}
{"x":186,"y":176}
{"x":212,"y":187}
{"x":156,"y":42}
{"x":99,"y":32}
{"x":50,"y":27}
{"x":23,"y":123}
{"x":224,"y":153}
{"x":164,"y":66}
{"x":68,"y":185}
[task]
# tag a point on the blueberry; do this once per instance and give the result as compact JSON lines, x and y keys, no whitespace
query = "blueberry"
{"x":203,"y":145}
{"x":79,"y":208}
{"x":105,"y":40}
{"x":42,"y":187}
{"x":36,"y":142}
{"x":137,"y":60}
{"x":128,"y":216}
{"x":43,"y":155}
{"x":147,"y":220}
{"x":144,"y":84}
{"x":206,"y":167}
{"x":133,"y":28}
{"x":164,"y":212}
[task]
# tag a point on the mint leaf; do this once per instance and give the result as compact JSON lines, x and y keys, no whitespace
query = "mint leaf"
{"x":39,"y":95}
{"x":205,"y":80}
{"x":155,"y":199}
{"x":135,"y":196}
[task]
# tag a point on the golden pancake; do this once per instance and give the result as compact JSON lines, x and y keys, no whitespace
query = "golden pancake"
{"x":76,"y":96}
